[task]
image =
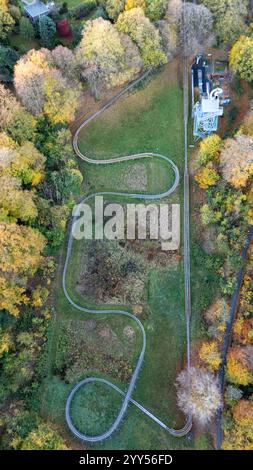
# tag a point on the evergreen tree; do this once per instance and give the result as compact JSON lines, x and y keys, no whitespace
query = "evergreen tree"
{"x":8,"y":58}
{"x":26,"y":28}
{"x":47,"y":30}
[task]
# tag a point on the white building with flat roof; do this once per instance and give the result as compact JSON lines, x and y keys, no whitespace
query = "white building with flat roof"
{"x":209,"y":105}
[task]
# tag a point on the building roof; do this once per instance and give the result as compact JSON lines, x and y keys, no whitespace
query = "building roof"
{"x":28,"y":2}
{"x":36,"y":9}
{"x":211,"y":106}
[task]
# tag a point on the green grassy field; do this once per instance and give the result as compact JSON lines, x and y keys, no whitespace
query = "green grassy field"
{"x":23,"y":45}
{"x":71,"y":3}
{"x":149,"y":119}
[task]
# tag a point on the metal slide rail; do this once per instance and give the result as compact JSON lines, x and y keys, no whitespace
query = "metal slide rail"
{"x":127,"y":395}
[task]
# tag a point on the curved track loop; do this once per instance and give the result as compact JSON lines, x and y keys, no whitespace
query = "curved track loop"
{"x":127,"y":396}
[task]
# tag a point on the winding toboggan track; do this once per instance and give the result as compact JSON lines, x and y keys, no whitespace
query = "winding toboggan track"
{"x":127,"y":395}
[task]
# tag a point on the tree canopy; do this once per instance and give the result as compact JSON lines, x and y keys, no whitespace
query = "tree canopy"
{"x":8,"y":58}
{"x":21,"y":255}
{"x":195,"y":28}
{"x":106,"y":56}
{"x":241,"y":57}
{"x":198,"y":394}
{"x":229,"y":16}
{"x":236,"y":160}
{"x":42,"y":88}
{"x":144,"y":34}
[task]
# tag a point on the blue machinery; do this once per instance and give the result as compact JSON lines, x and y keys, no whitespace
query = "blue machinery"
{"x":210,"y":86}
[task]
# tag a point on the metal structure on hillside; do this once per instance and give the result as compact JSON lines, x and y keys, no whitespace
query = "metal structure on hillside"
{"x":210,"y":87}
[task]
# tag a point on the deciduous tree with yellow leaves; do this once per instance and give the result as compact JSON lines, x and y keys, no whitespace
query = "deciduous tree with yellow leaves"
{"x":107,"y":57}
{"x":210,"y":355}
{"x":144,"y":34}
{"x":236,"y":160}
{"x":7,"y":22}
{"x":21,"y":255}
{"x":209,"y":150}
{"x":24,"y":162}
{"x":16,"y":203}
{"x":43,"y":438}
{"x":243,"y":331}
{"x":207,"y":176}
{"x":239,"y":367}
{"x":239,"y":436}
{"x":42,"y":88}
{"x":241,"y":57}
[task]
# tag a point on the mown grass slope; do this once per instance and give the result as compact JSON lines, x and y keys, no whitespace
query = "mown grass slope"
{"x":148,"y":119}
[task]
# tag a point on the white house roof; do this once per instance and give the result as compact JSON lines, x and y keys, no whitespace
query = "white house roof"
{"x":211,"y":106}
{"x":36,"y":9}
